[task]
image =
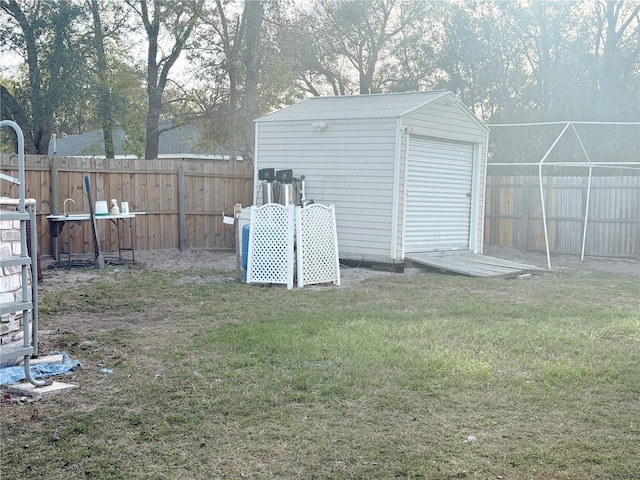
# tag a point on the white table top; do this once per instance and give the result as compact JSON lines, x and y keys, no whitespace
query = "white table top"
{"x":85,"y":217}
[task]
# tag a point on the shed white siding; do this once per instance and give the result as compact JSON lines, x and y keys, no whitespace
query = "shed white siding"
{"x":348,"y":164}
{"x":359,"y":162}
{"x":441,"y":121}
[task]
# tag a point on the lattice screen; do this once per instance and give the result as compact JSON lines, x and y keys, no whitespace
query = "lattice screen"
{"x":271,"y":238}
{"x":317,"y":245}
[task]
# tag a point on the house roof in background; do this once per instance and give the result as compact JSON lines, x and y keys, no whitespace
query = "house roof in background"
{"x":179,"y":141}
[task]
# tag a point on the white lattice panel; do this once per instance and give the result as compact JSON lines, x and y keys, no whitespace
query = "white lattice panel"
{"x":271,"y":237}
{"x":317,"y":245}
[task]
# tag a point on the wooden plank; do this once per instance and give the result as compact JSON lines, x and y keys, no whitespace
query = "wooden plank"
{"x":473,"y":265}
{"x":182,"y":236}
{"x":57,"y":358}
{"x":55,"y":241}
{"x":487,"y":260}
{"x":30,"y":390}
{"x":457,"y":266}
{"x":54,"y":187}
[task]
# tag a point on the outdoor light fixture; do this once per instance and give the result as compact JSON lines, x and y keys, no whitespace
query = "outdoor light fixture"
{"x":319,"y":126}
{"x":453,"y":101}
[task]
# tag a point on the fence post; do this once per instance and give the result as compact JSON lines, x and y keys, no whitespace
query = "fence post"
{"x":636,"y":241}
{"x":182,"y":237}
{"x":53,"y":172}
{"x":525,"y":192}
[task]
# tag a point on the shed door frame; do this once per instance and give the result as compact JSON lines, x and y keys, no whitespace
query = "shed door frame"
{"x":471,"y":242}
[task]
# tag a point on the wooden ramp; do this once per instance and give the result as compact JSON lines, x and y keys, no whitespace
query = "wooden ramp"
{"x":472,"y":264}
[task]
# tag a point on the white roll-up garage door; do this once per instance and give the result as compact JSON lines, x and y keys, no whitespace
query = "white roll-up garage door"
{"x":438,"y":209}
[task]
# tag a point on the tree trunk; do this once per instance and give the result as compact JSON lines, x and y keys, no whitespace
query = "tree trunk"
{"x":365,"y":83}
{"x":253,"y":11}
{"x":158,"y":70}
{"x":153,"y":123}
{"x":35,"y":81}
{"x":231,"y":51}
{"x":154,"y":94}
{"x":104,"y":96}
{"x":18,"y":115}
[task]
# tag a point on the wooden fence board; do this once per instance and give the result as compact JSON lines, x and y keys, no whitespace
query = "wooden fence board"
{"x":148,"y":185}
{"x":514,"y":214}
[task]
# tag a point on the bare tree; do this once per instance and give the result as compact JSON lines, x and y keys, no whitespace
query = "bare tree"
{"x":105,"y":112}
{"x":176,"y":18}
{"x":222,"y":40}
{"x":541,"y":32}
{"x":253,"y":20}
{"x":362,"y":31}
{"x":229,"y":47}
{"x":616,"y":52}
{"x":45,"y":36}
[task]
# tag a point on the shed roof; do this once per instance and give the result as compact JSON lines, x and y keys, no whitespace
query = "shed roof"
{"x":385,"y":105}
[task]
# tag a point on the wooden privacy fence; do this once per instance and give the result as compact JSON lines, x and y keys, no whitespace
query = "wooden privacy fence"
{"x":513,"y":216}
{"x":183,"y":199}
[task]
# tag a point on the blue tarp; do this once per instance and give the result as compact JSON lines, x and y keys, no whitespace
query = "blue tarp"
{"x":9,"y":375}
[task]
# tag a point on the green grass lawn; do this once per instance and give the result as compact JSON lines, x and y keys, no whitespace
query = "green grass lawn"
{"x":401,"y":377}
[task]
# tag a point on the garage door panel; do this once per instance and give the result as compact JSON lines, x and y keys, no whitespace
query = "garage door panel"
{"x":438,"y":201}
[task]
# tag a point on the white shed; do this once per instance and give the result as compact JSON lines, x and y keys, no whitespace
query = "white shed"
{"x":405,"y":171}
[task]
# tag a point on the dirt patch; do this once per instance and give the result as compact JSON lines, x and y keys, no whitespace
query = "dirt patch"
{"x":175,"y":260}
{"x":628,"y":266}
{"x":225,"y":263}
{"x":157,"y":317}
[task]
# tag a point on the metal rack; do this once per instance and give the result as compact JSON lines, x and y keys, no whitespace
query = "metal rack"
{"x":28,"y":304}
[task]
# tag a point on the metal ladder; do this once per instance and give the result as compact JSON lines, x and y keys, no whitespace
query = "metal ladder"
{"x":28,"y":305}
